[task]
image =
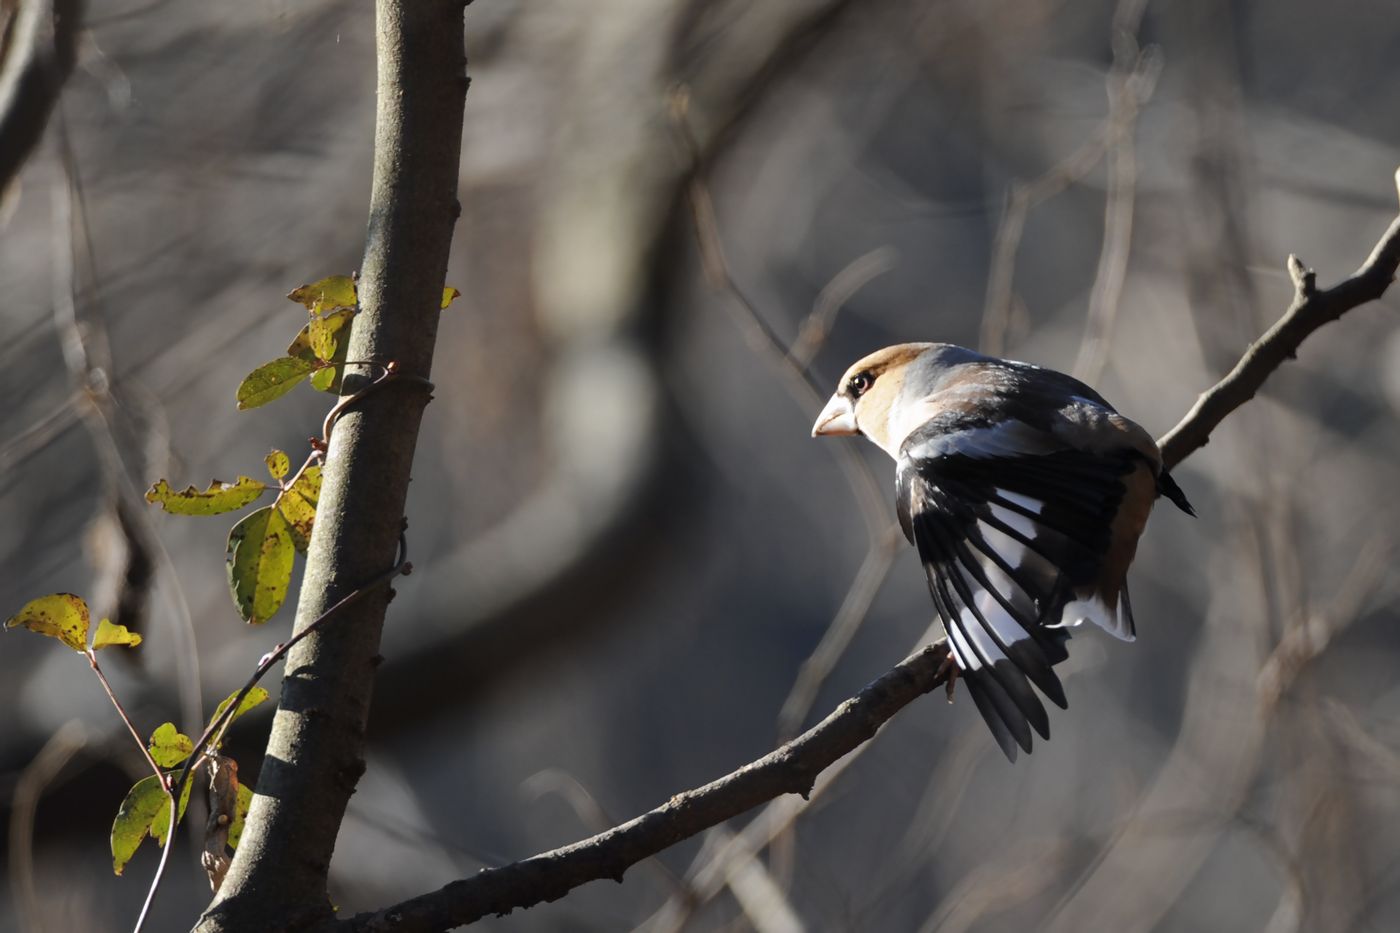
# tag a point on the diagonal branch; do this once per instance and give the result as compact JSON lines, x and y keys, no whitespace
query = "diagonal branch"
{"x":793,"y":767}
{"x":1310,"y":310}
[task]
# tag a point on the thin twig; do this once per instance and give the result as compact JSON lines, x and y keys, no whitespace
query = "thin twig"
{"x":1310,"y":310}
{"x":1314,"y":629}
{"x":813,"y":331}
{"x":874,"y":569}
{"x":792,"y":363}
{"x":1133,"y":69}
{"x":595,"y":818}
{"x":87,"y":355}
{"x":130,"y":726}
{"x":1131,"y":84}
{"x":213,"y":734}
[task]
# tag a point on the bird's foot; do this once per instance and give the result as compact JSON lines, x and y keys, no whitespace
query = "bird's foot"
{"x":949,"y":669}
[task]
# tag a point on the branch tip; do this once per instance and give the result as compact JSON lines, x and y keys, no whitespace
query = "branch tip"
{"x":1304,"y":279}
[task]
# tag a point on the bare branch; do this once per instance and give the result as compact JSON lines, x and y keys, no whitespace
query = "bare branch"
{"x":1309,"y":311}
{"x":791,"y":769}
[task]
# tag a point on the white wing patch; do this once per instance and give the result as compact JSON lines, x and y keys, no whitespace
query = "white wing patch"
{"x":1116,"y":622}
{"x":1017,"y":522}
{"x":1026,"y":502}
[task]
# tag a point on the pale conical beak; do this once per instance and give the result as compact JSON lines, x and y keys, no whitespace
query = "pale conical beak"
{"x":837,"y":418}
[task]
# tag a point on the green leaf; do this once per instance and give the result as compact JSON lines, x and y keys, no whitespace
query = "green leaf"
{"x":298,"y":506}
{"x":260,"y":564}
{"x":255,"y":697}
{"x":146,"y":809}
{"x":449,"y":295}
{"x":271,"y":381}
{"x":334,"y":322}
{"x":160,"y":823}
{"x":169,"y":746}
{"x":336,"y":291}
{"x":109,"y":634}
{"x":245,"y":800}
{"x":220,"y":497}
{"x":61,"y":615}
{"x":134,"y":817}
{"x":326,"y":380}
{"x":278,"y":464}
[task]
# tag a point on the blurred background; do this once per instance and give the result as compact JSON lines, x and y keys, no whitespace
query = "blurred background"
{"x":635,"y":570}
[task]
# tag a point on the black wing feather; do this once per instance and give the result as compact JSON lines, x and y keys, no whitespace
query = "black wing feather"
{"x":951,"y":499}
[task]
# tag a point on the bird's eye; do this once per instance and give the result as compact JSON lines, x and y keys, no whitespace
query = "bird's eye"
{"x":859,"y":384}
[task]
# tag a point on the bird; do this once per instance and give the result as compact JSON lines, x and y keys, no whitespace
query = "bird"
{"x":1024,"y":492}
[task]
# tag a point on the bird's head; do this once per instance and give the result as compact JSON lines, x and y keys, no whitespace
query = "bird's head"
{"x":871,"y":398}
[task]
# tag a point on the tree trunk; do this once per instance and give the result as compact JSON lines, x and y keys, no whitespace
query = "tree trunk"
{"x":315,"y":753}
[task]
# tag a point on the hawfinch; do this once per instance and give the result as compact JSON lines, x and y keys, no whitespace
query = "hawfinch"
{"x":1025,"y":493}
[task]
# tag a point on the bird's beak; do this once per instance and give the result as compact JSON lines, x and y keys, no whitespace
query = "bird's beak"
{"x":837,"y":418}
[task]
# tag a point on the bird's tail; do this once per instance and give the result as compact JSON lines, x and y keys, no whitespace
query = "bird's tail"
{"x":1166,"y":486}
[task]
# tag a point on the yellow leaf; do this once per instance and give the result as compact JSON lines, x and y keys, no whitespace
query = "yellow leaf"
{"x":326,"y":380}
{"x":323,"y":342}
{"x":449,"y":295}
{"x":298,"y":506}
{"x":271,"y":381}
{"x":62,"y":616}
{"x":218,"y":498}
{"x":109,"y":634}
{"x":169,"y":746}
{"x":245,"y":800}
{"x":260,"y":564}
{"x":278,"y":464}
{"x":336,"y":291}
{"x":334,"y":322}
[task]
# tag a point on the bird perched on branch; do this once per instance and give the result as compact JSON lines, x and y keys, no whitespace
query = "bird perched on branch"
{"x":1025,"y":493}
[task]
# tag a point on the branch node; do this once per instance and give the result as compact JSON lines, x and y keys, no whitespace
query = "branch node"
{"x":1304,"y":279}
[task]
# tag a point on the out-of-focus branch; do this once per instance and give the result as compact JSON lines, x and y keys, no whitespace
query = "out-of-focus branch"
{"x":69,"y":740}
{"x":41,"y":51}
{"x":1314,"y":630}
{"x":1131,"y":83}
{"x":128,"y":551}
{"x":792,"y":363}
{"x":795,"y":766}
{"x":1310,"y":310}
{"x":791,"y":769}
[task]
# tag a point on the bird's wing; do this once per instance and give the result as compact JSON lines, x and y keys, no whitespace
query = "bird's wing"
{"x":1009,"y":521}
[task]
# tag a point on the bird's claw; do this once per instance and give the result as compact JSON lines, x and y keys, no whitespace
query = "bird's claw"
{"x":949,"y":669}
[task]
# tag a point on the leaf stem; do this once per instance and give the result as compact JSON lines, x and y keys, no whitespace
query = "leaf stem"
{"x":213,"y":734}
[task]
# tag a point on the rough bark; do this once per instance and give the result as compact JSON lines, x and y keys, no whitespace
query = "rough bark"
{"x":315,"y":752}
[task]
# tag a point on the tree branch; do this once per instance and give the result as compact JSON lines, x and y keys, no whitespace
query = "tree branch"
{"x":1310,"y":310}
{"x":315,"y":753}
{"x":793,"y":767}
{"x":790,"y":769}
